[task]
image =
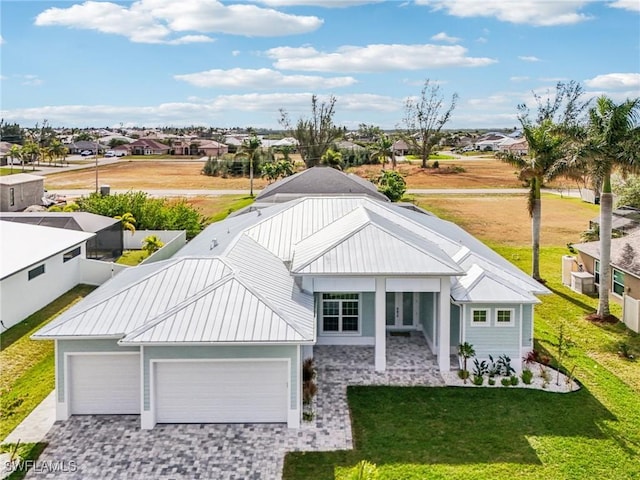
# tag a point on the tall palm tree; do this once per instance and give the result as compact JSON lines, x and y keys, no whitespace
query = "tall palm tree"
{"x":30,"y":152}
{"x":15,"y":152}
{"x":612,"y":140}
{"x":382,"y":150}
{"x":128,"y":221}
{"x":546,"y":147}
{"x":251,"y":150}
{"x":58,"y":150}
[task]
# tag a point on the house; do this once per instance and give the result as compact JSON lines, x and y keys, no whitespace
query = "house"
{"x":350,"y":146}
{"x":320,"y":180}
{"x":82,"y":145}
{"x":210,"y":148}
{"x":517,"y":146}
{"x":624,"y":220}
{"x":400,"y":147}
{"x":490,"y":142}
{"x":20,"y":191}
{"x":147,"y":146}
{"x":37,"y":265}
{"x":625,"y":273}
{"x":218,"y":333}
{"x":107,"y":243}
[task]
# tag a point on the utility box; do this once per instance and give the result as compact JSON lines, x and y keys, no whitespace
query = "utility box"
{"x":582,"y":282}
{"x":568,"y":262}
{"x":105,"y":190}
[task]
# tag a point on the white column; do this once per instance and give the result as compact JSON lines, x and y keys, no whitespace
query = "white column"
{"x":381,"y":327}
{"x":444,"y":319}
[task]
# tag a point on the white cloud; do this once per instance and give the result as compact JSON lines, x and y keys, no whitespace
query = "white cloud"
{"x":481,"y":40}
{"x":317,"y":3}
{"x":156,"y":21}
{"x":633,"y":5}
{"x":2,"y":42}
{"x":495,"y":100}
{"x":31,"y":80}
{"x":529,"y":58}
{"x":375,"y":58}
{"x":531,"y":12}
{"x":2,"y":77}
{"x":235,"y":53}
{"x":260,"y":79}
{"x":519,"y":79}
{"x":615,"y":81}
{"x":443,"y":37}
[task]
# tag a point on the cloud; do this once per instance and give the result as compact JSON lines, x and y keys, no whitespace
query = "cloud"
{"x":2,"y":77}
{"x":157,"y":21}
{"x":633,"y":5}
{"x":2,"y":42}
{"x":260,"y":79}
{"x":316,"y":3}
{"x":481,"y":40}
{"x":615,"y":81}
{"x":443,"y":37}
{"x":529,"y":58}
{"x":375,"y":58}
{"x":519,"y":79}
{"x":235,"y":53}
{"x":31,"y":80}
{"x":530,"y":12}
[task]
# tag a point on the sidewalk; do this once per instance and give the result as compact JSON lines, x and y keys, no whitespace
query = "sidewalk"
{"x":37,"y":424}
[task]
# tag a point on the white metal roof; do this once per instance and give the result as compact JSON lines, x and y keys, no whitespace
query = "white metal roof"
{"x":480,"y":286}
{"x":26,"y":245}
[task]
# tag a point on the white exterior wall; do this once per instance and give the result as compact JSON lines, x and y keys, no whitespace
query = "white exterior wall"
{"x":96,"y":272}
{"x":20,"y":297}
{"x":134,"y":242}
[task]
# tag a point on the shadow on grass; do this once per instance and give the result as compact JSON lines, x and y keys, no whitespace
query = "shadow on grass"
{"x":429,"y":425}
{"x":28,"y":452}
{"x":571,"y":299}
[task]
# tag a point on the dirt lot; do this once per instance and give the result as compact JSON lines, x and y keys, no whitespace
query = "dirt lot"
{"x":152,"y":174}
{"x":504,"y":219}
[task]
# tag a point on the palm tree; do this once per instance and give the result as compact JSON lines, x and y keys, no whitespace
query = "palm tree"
{"x":128,"y":221}
{"x":333,"y":158}
{"x":30,"y":152}
{"x":382,"y":150}
{"x":251,"y":150}
{"x":58,"y":150}
{"x":547,"y":145}
{"x":15,"y":152}
{"x":152,"y":244}
{"x":612,"y":138}
{"x":466,"y":351}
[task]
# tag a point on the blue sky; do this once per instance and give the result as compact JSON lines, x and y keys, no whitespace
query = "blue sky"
{"x":232,"y":63}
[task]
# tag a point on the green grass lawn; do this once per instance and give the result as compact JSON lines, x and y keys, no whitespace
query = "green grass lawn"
{"x":132,"y":257}
{"x":27,"y":374}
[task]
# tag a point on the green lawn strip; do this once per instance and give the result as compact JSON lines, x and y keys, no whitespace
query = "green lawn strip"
{"x":28,"y":452}
{"x":231,"y":205}
{"x":132,"y":257}
{"x":27,"y":375}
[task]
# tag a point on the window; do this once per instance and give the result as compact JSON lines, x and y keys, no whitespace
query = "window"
{"x":596,"y":273}
{"x":617,"y":282}
{"x":70,"y":254}
{"x":39,"y":270}
{"x":12,"y":196}
{"x":479,"y":317}
{"x":340,"y":312}
{"x":504,"y":317}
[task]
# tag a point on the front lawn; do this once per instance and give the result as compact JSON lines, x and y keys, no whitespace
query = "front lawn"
{"x":27,"y":373}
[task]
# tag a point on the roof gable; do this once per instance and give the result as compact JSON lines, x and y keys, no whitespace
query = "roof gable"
{"x":480,"y":286}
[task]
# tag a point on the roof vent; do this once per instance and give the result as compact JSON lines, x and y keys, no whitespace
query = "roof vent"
{"x":213,"y":244}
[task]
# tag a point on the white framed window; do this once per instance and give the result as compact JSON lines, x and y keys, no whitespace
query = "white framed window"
{"x":340,"y":313}
{"x":36,"y":272}
{"x":479,"y":317}
{"x":505,"y":317}
{"x":596,"y":272}
{"x":71,"y":254}
{"x":617,"y":282}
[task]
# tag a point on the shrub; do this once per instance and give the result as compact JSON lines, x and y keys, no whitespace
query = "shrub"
{"x":504,"y":366}
{"x":527,"y":377}
{"x":436,"y":164}
{"x":478,"y":380}
{"x":506,"y":382}
{"x":308,"y":370}
{"x":309,"y":390}
{"x":514,"y":380}
{"x":480,"y":368}
{"x":463,"y":374}
{"x":391,"y":184}
{"x":491,"y":381}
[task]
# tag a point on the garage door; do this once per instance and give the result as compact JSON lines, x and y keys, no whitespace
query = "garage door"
{"x":221,"y":392}
{"x":104,"y":384}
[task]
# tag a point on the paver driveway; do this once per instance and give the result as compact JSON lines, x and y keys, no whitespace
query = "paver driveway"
{"x":114,"y":446}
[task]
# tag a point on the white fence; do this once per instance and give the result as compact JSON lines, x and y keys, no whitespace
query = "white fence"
{"x":631,"y":313}
{"x":96,"y":272}
{"x":134,"y":242}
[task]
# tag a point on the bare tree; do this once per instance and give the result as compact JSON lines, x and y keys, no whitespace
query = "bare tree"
{"x":315,"y":134}
{"x":424,"y":118}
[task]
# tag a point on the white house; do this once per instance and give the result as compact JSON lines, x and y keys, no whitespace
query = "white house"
{"x":37,"y":265}
{"x":218,"y":333}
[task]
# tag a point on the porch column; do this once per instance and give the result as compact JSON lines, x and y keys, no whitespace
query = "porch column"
{"x":444,"y":324}
{"x":381,"y":327}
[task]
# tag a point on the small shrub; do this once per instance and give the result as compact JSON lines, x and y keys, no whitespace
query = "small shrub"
{"x":309,"y":390}
{"x":506,"y":382}
{"x":463,"y":374}
{"x":491,"y":381}
{"x":308,"y":416}
{"x":545,"y":375}
{"x":480,"y":368}
{"x":514,"y":380}
{"x":308,"y":370}
{"x":504,"y":366}
{"x":436,"y":164}
{"x":478,"y":380}
{"x":527,"y":377}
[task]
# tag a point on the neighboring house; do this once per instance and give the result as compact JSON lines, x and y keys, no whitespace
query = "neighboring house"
{"x":400,"y":147}
{"x":20,"y":191}
{"x":346,"y":145}
{"x":37,"y":265}
{"x":625,"y":273}
{"x":316,"y":181}
{"x":5,"y":147}
{"x":219,"y":332}
{"x":147,"y":146}
{"x":210,"y":148}
{"x":517,"y":146}
{"x":107,"y":242}
{"x":624,"y":220}
{"x":82,"y":145}
{"x":490,"y":142}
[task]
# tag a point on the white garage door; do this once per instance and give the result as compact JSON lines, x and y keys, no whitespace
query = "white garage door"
{"x":104,"y":384}
{"x":221,"y":392}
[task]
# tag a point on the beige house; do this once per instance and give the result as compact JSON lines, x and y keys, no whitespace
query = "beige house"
{"x":20,"y":191}
{"x":625,"y":274}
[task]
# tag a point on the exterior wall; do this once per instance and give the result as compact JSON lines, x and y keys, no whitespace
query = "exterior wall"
{"x":173,"y":243}
{"x":495,"y":340}
{"x":367,"y":323}
{"x":455,"y":326}
{"x":20,"y":297}
{"x":632,"y":286}
{"x":95,"y":272}
{"x":24,"y":195}
{"x":88,"y":346}
{"x":527,"y":326}
{"x":631,"y":283}
{"x":134,"y":241}
{"x":427,"y":305}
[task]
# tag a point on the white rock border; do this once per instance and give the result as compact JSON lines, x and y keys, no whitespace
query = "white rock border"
{"x":451,"y":379}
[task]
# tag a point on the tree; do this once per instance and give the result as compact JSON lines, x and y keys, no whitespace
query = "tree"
{"x":549,"y":138}
{"x":612,"y":137}
{"x":425,"y":117}
{"x":11,"y":133}
{"x":391,"y":184}
{"x":251,"y":150}
{"x":116,"y":142}
{"x":128,"y":221}
{"x":30,"y":153}
{"x":628,"y":192}
{"x":466,"y":351}
{"x":152,"y":244}
{"x":58,"y":150}
{"x":314,"y":134}
{"x":333,"y":159}
{"x":382,"y":150}
{"x":15,"y":152}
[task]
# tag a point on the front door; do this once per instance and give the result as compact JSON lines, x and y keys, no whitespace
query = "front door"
{"x":400,"y":309}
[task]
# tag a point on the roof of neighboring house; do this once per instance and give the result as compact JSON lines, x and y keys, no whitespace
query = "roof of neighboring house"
{"x":319,"y":181}
{"x":626,"y":219}
{"x":346,"y":145}
{"x":26,"y":245}
{"x":5,"y":147}
{"x":83,"y":221}
{"x":18,"y":178}
{"x":85,"y":145}
{"x":237,"y":282}
{"x":400,"y":145}
{"x":625,"y":252}
{"x":148,"y":143}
